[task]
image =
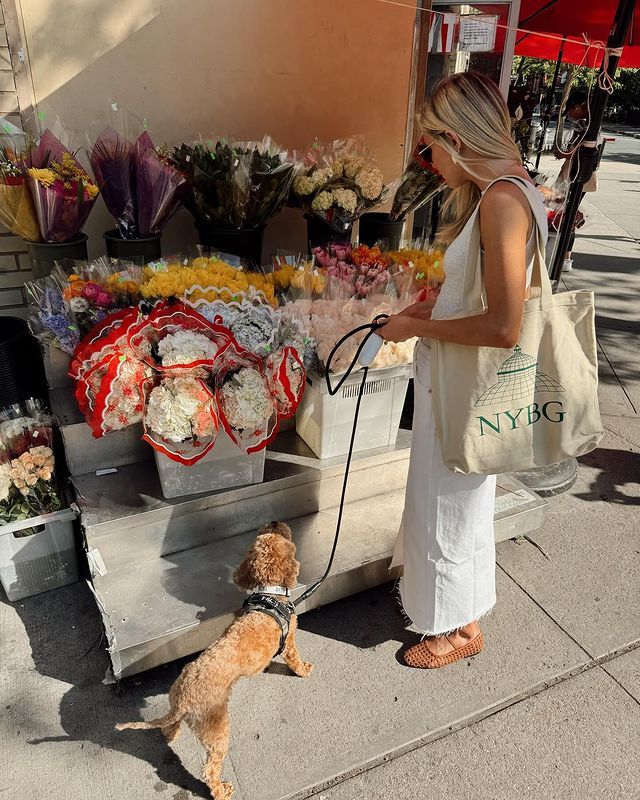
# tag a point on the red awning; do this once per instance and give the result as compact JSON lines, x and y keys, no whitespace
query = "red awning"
{"x":592,"y":18}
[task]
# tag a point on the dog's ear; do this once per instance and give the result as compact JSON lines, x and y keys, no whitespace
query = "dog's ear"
{"x":244,"y":576}
{"x":291,"y":569}
{"x":281,"y":528}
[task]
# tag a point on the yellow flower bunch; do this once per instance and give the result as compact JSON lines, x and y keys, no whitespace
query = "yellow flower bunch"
{"x":176,"y":279}
{"x":282,"y":276}
{"x":309,"y":279}
{"x":426,"y":267}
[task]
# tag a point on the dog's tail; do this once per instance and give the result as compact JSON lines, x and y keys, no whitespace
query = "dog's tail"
{"x":163,"y":722}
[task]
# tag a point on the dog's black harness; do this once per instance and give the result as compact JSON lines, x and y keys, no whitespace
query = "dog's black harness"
{"x":280,"y":611}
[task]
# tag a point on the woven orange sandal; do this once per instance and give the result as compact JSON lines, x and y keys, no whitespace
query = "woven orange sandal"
{"x":421,"y":657}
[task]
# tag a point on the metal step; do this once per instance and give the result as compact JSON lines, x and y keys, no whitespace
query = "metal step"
{"x":126,"y":519}
{"x":170,"y":607}
{"x":173,"y":606}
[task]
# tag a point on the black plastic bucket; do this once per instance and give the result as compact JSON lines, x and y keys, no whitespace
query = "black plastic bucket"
{"x":140,"y":251}
{"x":21,"y":368}
{"x":376,"y":226}
{"x":245,"y":243}
{"x":319,"y":233}
{"x":44,"y":254}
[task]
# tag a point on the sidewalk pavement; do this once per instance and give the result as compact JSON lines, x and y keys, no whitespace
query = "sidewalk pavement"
{"x":550,"y":710}
{"x":619,"y":129}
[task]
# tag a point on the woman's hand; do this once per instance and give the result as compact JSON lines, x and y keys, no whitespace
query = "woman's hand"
{"x":399,"y":328}
{"x":420,"y":310}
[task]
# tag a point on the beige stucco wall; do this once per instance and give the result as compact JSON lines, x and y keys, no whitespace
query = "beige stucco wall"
{"x":294,"y":68}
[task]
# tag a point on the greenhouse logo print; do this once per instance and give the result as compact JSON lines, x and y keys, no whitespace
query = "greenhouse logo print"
{"x":519,"y":378}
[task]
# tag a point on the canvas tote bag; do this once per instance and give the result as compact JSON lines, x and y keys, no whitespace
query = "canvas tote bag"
{"x":501,"y":410}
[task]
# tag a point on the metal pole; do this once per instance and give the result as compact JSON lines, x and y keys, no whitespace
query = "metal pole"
{"x":587,"y":155}
{"x":550,"y":96}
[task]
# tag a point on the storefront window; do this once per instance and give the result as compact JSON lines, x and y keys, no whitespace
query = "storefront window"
{"x":468,"y":37}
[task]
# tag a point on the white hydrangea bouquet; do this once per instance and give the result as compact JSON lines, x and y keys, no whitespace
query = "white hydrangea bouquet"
{"x":339,"y":183}
{"x":186,"y":376}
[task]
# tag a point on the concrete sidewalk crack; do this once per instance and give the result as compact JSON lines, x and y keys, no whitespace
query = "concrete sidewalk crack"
{"x":615,"y":680}
{"x":617,"y":377}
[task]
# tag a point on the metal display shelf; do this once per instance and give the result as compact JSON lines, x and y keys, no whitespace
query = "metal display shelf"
{"x":161,"y":569}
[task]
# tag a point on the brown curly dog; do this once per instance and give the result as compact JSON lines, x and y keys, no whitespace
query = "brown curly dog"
{"x":200,"y":694}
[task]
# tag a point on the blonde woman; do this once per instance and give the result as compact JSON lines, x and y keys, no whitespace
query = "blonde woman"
{"x":446,"y":543}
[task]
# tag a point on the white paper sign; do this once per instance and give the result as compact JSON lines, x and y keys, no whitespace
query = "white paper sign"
{"x":477,"y":33}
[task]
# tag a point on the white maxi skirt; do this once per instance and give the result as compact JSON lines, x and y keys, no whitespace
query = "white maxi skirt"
{"x":446,"y":542}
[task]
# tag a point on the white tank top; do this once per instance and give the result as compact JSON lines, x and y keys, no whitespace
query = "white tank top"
{"x":450,"y":301}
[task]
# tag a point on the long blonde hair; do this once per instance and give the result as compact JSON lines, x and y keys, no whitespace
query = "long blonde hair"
{"x":470,"y":105}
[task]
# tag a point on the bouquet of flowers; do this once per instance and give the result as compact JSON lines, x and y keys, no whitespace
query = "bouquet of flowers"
{"x":235,"y":185}
{"x":50,"y":318}
{"x":77,"y":296}
{"x":419,"y":269}
{"x":62,"y":191}
{"x":17,"y":212}
{"x":330,"y":319}
{"x":141,"y":187}
{"x":254,"y":324}
{"x":340,"y":181}
{"x":183,"y":375}
{"x":27,"y":483}
{"x":360,"y":271}
{"x":208,"y":277}
{"x":419,"y":183}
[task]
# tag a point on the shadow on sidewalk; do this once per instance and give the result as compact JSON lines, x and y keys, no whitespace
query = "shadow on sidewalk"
{"x":365,"y":620}
{"x":595,"y":262}
{"x":617,"y":469}
{"x":66,"y":639}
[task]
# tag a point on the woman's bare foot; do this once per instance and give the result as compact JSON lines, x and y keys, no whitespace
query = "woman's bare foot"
{"x":441,"y":645}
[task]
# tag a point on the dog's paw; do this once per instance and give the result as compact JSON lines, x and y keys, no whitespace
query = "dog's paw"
{"x":222,"y":791}
{"x":304,"y":670}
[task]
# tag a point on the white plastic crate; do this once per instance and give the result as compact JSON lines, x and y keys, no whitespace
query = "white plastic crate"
{"x":325,"y":421}
{"x":45,"y":560}
{"x":224,"y":467}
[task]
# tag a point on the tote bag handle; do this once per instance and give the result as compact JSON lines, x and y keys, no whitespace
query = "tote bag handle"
{"x":474,"y":294}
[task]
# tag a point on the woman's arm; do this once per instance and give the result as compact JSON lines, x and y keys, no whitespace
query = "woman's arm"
{"x":505,"y":219}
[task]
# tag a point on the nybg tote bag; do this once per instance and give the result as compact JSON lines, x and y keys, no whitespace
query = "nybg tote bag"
{"x":501,"y":410}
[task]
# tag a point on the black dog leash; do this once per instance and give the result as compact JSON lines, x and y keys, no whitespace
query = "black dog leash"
{"x":371,"y":327}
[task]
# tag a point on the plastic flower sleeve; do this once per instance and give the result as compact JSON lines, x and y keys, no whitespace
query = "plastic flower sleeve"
{"x":419,"y":183}
{"x":112,"y":159}
{"x":175,"y":339}
{"x":160,"y":187}
{"x":180,"y":418}
{"x":119,"y":400}
{"x":62,"y":191}
{"x":50,"y":319}
{"x":111,"y":333}
{"x":263,"y":174}
{"x":247,"y":408}
{"x":286,"y":377}
{"x":17,"y":211}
